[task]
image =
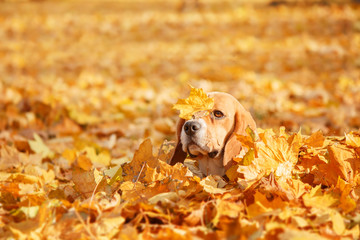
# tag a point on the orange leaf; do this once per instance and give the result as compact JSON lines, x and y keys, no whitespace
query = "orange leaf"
{"x":316,"y":140}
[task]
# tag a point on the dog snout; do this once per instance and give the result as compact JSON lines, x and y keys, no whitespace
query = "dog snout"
{"x":191,"y":127}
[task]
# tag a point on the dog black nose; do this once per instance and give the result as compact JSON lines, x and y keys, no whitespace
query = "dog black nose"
{"x":191,"y":127}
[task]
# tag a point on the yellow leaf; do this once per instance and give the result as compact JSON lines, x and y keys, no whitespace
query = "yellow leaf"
{"x":299,"y":221}
{"x":352,"y":139}
{"x":226,"y":209}
{"x":24,"y":178}
{"x":248,"y":158}
{"x":152,"y":175}
{"x":26,"y":189}
{"x":102,"y":158}
{"x":294,"y":234}
{"x":252,"y":133}
{"x":347,"y":204}
{"x":109,"y":227}
{"x":284,"y":170}
{"x":278,"y":149}
{"x":273,"y":153}
{"x":166,"y":197}
{"x":317,"y":199}
{"x":246,"y":141}
{"x":354,"y":232}
{"x":299,"y":188}
{"x":263,"y":205}
{"x":38,"y":146}
{"x":197,"y":101}
{"x":211,"y":185}
{"x":232,"y":173}
{"x":84,"y":162}
{"x":288,"y":212}
{"x":30,"y":212}
{"x":98,"y":176}
{"x":115,"y":174}
{"x":70,"y":155}
{"x":82,"y":117}
{"x":338,"y":222}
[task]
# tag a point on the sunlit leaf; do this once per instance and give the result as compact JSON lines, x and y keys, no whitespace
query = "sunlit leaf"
{"x":353,"y":139}
{"x":196,"y":102}
{"x":30,"y":212}
{"x":316,"y":198}
{"x":115,"y":174}
{"x":337,"y":222}
{"x":39,"y":146}
{"x":316,"y":139}
{"x":248,"y":158}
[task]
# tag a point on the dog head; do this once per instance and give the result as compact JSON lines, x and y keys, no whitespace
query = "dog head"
{"x":211,"y":138}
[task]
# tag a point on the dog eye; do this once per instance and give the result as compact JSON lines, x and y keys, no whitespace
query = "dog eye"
{"x":218,"y":114}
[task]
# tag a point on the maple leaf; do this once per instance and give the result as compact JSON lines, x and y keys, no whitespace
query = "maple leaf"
{"x":142,"y":159}
{"x":279,"y":149}
{"x":39,"y":146}
{"x":277,"y":154}
{"x":342,"y":163}
{"x":263,"y":205}
{"x":316,"y":198}
{"x":196,"y":102}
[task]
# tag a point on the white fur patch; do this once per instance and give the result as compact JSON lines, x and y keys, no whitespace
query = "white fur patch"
{"x":199,"y":139}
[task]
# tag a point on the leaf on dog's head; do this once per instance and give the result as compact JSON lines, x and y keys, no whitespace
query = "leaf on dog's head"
{"x":197,"y":101}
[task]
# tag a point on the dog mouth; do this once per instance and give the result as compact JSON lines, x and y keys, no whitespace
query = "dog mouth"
{"x":200,"y":150}
{"x":191,"y":155}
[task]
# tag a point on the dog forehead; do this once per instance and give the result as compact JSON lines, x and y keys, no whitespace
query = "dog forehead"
{"x":223,"y":101}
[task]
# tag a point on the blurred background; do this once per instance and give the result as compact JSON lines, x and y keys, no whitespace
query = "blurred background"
{"x":97,"y":69}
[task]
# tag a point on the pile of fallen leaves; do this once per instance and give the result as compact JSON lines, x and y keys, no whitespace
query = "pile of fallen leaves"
{"x":84,"y":85}
{"x":284,"y":186}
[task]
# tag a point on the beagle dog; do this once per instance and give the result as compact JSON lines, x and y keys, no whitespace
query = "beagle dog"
{"x":211,"y":139}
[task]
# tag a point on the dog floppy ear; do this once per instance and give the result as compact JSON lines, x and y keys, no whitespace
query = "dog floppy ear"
{"x":243,"y":119}
{"x":179,"y":155}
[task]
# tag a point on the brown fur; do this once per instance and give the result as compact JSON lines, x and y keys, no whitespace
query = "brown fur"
{"x":220,"y":135}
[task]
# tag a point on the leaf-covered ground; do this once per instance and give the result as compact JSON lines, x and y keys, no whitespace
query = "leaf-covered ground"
{"x":83,"y":84}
